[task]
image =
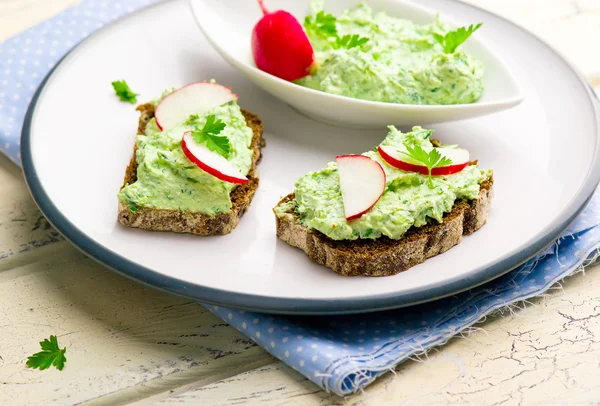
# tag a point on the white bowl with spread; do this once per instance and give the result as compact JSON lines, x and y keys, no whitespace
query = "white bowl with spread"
{"x":228,"y":27}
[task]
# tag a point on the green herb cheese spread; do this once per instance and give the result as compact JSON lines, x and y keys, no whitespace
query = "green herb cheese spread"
{"x":167,"y":179}
{"x":389,"y":60}
{"x":408,"y":200}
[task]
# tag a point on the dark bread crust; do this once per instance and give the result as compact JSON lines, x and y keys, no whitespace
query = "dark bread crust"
{"x":384,"y":256}
{"x":193,"y":222}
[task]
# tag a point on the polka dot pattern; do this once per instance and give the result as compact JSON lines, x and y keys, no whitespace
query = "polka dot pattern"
{"x":26,"y":59}
{"x":341,"y":354}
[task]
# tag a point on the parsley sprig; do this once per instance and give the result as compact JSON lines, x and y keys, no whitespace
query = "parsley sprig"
{"x":124,"y":92}
{"x":322,"y":24}
{"x":50,"y":355}
{"x":350,"y":41}
{"x":454,"y":39}
{"x":431,"y":159}
{"x":209,"y":134}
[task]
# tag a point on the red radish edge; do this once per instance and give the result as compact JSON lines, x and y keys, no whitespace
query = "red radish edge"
{"x":405,"y":166}
{"x":354,"y":217}
{"x":209,"y":169}
{"x":189,"y":84}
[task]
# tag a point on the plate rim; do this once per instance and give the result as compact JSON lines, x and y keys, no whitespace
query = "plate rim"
{"x":268,"y":304}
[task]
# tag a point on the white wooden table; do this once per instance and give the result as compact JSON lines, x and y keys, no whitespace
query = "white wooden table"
{"x":129,"y":343}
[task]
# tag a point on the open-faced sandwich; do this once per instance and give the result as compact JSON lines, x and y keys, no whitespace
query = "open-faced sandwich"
{"x":386,"y":210}
{"x":194,"y":164}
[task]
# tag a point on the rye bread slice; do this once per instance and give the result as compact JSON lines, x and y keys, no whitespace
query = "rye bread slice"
{"x":384,"y":256}
{"x":193,"y":222}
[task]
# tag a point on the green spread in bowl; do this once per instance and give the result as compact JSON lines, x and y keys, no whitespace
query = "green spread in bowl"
{"x":388,"y":59}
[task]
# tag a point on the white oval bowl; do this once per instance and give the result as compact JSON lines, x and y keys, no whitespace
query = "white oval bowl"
{"x":228,"y":25}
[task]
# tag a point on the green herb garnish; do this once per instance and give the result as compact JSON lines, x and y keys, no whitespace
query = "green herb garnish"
{"x":192,"y":120}
{"x":51,"y":355}
{"x":323,"y":24}
{"x":454,"y":39}
{"x":124,"y":92}
{"x":209,"y":135}
{"x":431,"y":159}
{"x":350,"y":41}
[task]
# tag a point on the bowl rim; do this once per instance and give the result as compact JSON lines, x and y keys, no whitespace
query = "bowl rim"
{"x":239,"y":64}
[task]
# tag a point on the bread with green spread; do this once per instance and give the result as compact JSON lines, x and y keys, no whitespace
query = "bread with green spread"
{"x":218,"y":218}
{"x":412,"y":221}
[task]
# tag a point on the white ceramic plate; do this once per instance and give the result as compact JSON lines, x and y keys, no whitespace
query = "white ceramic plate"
{"x":229,"y":32}
{"x":78,"y":139}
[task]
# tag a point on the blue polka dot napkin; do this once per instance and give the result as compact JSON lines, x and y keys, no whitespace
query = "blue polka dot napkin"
{"x":341,"y":354}
{"x":25,"y":59}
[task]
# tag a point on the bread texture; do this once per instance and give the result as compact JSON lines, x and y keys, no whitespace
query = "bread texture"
{"x":193,"y":222}
{"x":384,"y":256}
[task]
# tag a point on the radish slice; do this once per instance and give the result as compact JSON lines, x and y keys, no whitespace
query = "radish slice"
{"x":362,"y":181}
{"x":210,"y":161}
{"x":195,"y":98}
{"x":394,"y":156}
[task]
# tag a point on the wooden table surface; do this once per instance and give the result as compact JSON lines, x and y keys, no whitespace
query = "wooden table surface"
{"x":129,"y":343}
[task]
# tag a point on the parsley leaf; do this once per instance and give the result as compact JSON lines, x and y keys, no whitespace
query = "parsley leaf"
{"x":431,"y":159}
{"x":453,"y":39}
{"x":124,"y":92}
{"x":51,"y":355}
{"x":350,"y":41}
{"x":209,"y":135}
{"x":322,"y":24}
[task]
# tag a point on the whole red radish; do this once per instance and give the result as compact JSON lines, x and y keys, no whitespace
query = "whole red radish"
{"x":280,"y":45}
